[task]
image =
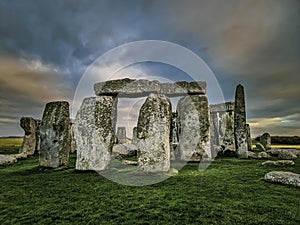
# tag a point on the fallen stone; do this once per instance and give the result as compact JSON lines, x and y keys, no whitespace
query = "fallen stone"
{"x":265,"y":140}
{"x":260,"y":147}
{"x":129,"y":162}
{"x":240,"y":123}
{"x":94,"y":133}
{"x":263,"y":155}
{"x":124,"y":150}
{"x":279,"y":163}
{"x":287,"y":178}
{"x":252,"y":155}
{"x":194,"y":126}
{"x":276,"y":151}
{"x":153,"y":133}
{"x":141,"y":88}
{"x":7,"y":160}
{"x":55,"y":135}
{"x":29,"y":125}
{"x":286,"y":154}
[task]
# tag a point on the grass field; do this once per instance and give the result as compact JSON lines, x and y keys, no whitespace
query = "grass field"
{"x":10,"y":145}
{"x":230,"y":191}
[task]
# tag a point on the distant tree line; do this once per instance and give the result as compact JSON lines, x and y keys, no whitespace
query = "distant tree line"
{"x":283,"y":140}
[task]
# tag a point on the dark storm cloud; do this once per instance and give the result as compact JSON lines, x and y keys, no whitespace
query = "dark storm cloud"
{"x":253,"y":42}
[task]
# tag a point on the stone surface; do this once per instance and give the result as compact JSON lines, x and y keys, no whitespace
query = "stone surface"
{"x":286,"y":154}
{"x":240,"y":123}
{"x":29,"y":125}
{"x":279,"y":163}
{"x":214,"y":131}
{"x":260,"y":147}
{"x":249,"y":139}
{"x":265,"y":140}
{"x":226,"y":130}
{"x":94,"y":133}
{"x":140,"y":88}
{"x":174,"y":138}
{"x":153,"y":133}
{"x":124,"y":150}
{"x":121,"y":135}
{"x":287,"y":178}
{"x":134,"y":136}
{"x":276,"y":151}
{"x":263,"y":155}
{"x":194,"y":128}
{"x":73,"y":142}
{"x":222,"y":107}
{"x":55,"y":135}
{"x":7,"y":160}
{"x":38,"y":138}
{"x":252,"y":155}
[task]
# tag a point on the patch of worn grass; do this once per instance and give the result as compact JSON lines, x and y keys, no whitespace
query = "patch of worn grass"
{"x":230,"y":191}
{"x":10,"y":145}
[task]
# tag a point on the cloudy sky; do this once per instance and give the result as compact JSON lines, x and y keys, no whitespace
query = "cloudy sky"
{"x":46,"y":47}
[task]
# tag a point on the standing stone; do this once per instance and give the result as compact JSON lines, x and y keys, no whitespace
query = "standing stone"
{"x":249,"y":139}
{"x":29,"y":141}
{"x":134,"y":136}
{"x":215,"y":136}
{"x":73,"y":142}
{"x":265,"y":140}
{"x":174,"y":138}
{"x":55,"y":135}
{"x":94,"y":133}
{"x":38,"y":138}
{"x":194,"y":134}
{"x":153,"y":132}
{"x":227,"y":129}
{"x":121,"y":135}
{"x":240,"y":132}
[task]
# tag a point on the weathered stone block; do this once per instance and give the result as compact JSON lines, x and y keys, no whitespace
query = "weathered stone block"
{"x":287,"y":178}
{"x":121,"y":135}
{"x":55,"y":135}
{"x":194,"y":131}
{"x":141,"y":88}
{"x":134,"y":136}
{"x":240,"y":123}
{"x":94,"y":133}
{"x":153,"y":132}
{"x":265,"y":140}
{"x":30,"y":138}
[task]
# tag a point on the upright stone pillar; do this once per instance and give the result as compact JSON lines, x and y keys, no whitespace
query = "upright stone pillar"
{"x":94,"y":133}
{"x":240,"y":132}
{"x":38,"y":138}
{"x":55,"y":135}
{"x":215,"y":136}
{"x":29,"y":125}
{"x":249,"y":139}
{"x":153,"y":132}
{"x":265,"y":140}
{"x":134,"y":136}
{"x":227,"y":126}
{"x":194,"y":134}
{"x":174,"y":138}
{"x":73,"y":143}
{"x":121,"y":135}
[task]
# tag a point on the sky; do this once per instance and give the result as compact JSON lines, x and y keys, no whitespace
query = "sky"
{"x":46,"y":47}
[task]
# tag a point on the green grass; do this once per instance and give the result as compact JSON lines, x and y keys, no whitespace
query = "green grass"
{"x":230,"y":191}
{"x":10,"y":145}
